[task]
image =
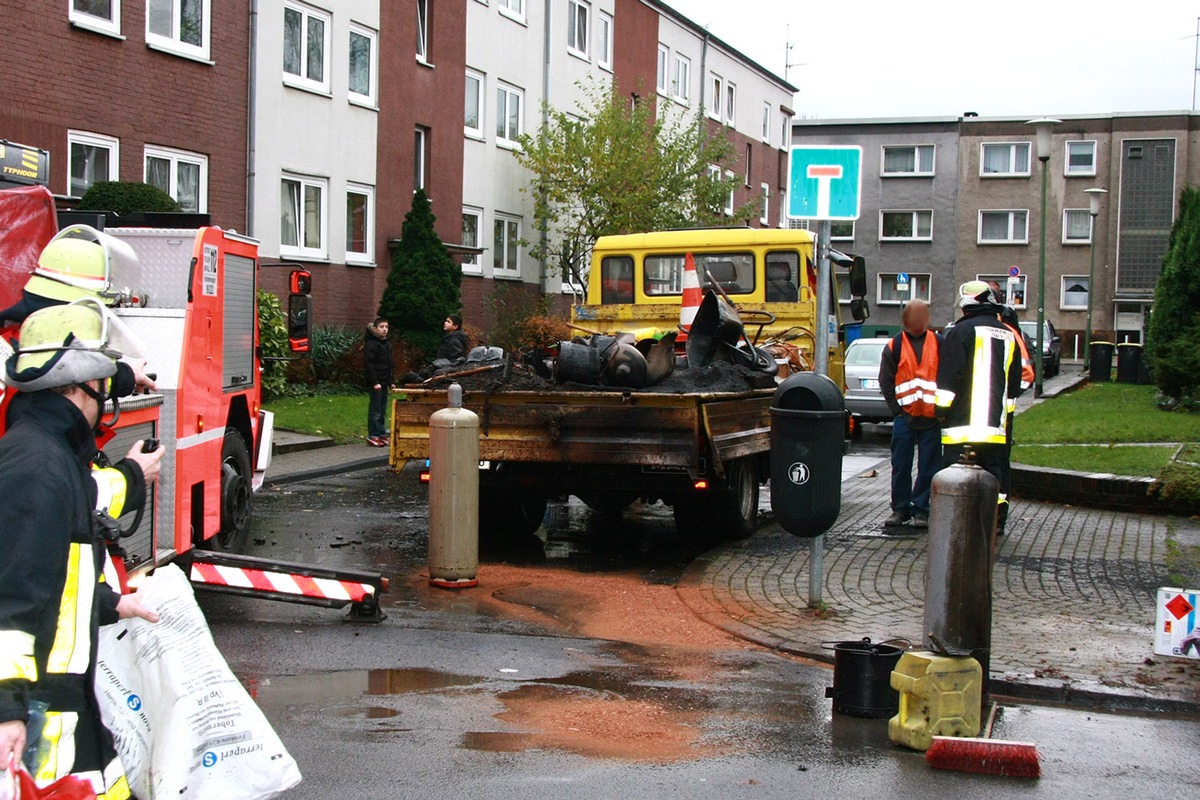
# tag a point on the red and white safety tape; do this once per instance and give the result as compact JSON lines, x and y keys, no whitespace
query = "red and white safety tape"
{"x":281,"y":582}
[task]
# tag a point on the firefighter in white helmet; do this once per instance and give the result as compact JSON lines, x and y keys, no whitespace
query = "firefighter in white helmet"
{"x":978,"y":381}
{"x":53,"y":595}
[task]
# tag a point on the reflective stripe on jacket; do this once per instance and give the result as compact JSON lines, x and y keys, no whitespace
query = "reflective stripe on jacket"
{"x":979,"y":379}
{"x":916,"y":380}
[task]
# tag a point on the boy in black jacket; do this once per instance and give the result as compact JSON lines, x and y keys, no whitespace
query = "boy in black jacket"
{"x":377,"y":364}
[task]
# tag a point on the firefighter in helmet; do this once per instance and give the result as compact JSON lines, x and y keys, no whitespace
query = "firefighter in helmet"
{"x":978,"y":381}
{"x":53,"y":590}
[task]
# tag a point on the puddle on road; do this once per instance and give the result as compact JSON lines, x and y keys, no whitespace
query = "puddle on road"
{"x":318,"y":688}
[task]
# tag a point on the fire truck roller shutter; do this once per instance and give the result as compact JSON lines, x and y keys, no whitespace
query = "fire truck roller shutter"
{"x":239,"y":321}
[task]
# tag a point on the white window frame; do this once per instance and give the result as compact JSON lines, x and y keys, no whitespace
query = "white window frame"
{"x":506,"y":8}
{"x":505,"y":140}
{"x":663,"y":80}
{"x":764,"y":215}
{"x":1091,"y":226}
{"x":420,"y":158}
{"x":110,"y":143}
{"x":716,"y":85}
{"x":766,"y":124}
{"x":176,"y":157}
{"x":730,"y":201}
{"x":578,"y":43}
{"x":681,"y":91}
{"x":473,"y":264}
{"x":604,"y":33}
{"x":422,"y":44}
{"x":480,"y":105}
{"x":1012,"y":231}
{"x":367,"y":258}
{"x":1022,"y":280}
{"x":174,"y":44}
{"x":916,"y":226}
{"x":730,"y":103}
{"x":1077,"y":173}
{"x":1012,"y":158}
{"x":97,"y":24}
{"x":300,"y":251}
{"x":840,"y":280}
{"x":842,"y":238}
{"x":506,"y":219}
{"x":302,"y":81}
{"x":912,"y":283}
{"x":1062,"y":293}
{"x":371,"y":99}
{"x":917,"y":172}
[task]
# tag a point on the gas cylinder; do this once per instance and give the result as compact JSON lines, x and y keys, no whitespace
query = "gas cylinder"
{"x":958,"y":575}
{"x":454,"y":495}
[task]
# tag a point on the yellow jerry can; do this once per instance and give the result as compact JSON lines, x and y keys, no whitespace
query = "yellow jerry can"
{"x":939,"y":696}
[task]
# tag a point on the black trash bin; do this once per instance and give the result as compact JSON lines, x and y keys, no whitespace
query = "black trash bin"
{"x":1100,"y":362}
{"x":808,"y":429}
{"x":1129,"y":362}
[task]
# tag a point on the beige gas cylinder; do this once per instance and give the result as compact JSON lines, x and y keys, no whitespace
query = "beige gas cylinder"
{"x":454,"y":495}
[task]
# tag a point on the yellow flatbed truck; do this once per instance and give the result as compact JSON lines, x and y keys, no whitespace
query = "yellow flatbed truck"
{"x":705,"y":453}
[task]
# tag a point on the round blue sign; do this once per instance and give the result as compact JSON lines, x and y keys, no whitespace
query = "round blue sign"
{"x":134,"y":702}
{"x":210,"y":759}
{"x":902,"y":277}
{"x":1014,"y":271}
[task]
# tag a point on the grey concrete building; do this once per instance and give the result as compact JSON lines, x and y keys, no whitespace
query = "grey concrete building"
{"x":972,"y":187}
{"x":909,"y":210}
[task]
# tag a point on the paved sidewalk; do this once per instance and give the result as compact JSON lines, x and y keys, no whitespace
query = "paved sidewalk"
{"x":1074,"y":596}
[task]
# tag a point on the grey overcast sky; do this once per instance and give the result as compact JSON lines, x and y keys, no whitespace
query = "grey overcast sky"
{"x":873,"y":58}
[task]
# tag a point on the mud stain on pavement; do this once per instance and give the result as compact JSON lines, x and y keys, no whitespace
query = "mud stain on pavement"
{"x":617,"y":606}
{"x":594,"y":724}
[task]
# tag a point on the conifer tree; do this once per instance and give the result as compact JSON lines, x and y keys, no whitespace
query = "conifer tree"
{"x":1173,"y":340}
{"x":423,"y":283}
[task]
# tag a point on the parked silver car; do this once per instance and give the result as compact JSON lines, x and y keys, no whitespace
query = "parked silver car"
{"x":863,"y":398}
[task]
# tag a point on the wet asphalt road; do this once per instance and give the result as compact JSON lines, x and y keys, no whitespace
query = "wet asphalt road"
{"x":448,"y":697}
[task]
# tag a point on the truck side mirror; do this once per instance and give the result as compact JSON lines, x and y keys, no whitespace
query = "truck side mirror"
{"x":858,"y":279}
{"x":859,"y":309}
{"x":299,"y":311}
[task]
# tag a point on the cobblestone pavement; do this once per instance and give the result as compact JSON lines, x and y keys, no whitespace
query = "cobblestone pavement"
{"x":1073,"y":609}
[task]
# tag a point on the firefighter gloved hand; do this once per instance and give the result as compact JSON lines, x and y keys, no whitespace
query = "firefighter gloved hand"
{"x":12,"y":743}
{"x":130,"y":606}
{"x":150,"y":463}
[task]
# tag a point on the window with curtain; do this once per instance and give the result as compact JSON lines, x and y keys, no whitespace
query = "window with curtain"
{"x":508,"y":114}
{"x":1077,"y":226}
{"x":305,"y":48}
{"x":179,"y":26}
{"x":302,"y":217}
{"x":1074,"y":292}
{"x":506,"y":238}
{"x":906,"y":225}
{"x":1081,"y":158}
{"x":892,"y":292}
{"x":360,"y":225}
{"x":1003,"y":227}
{"x":908,"y":160}
{"x":362,"y":65}
{"x":472,"y":223}
{"x":1005,"y":158}
{"x":577,"y":27}
{"x":91,"y":158}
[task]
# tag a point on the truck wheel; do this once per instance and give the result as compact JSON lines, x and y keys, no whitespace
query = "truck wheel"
{"x":728,"y":513}
{"x":508,"y":515}
{"x":236,"y":496}
{"x":738,"y":504}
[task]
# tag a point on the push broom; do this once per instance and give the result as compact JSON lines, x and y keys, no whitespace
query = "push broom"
{"x":985,"y":755}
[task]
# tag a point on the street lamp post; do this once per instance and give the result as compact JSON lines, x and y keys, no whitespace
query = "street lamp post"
{"x":1044,"y":127}
{"x":1094,"y":196}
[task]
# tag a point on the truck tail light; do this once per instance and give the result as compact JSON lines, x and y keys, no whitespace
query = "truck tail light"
{"x":424,"y":476}
{"x":700,"y":485}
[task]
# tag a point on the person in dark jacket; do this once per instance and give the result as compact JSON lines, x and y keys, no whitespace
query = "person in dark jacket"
{"x":979,"y":380}
{"x":55,"y":589}
{"x":377,"y":364}
{"x":454,"y":345}
{"x":908,"y":382}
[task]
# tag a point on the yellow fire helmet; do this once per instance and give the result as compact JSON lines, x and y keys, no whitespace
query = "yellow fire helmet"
{"x":78,"y":263}
{"x":62,"y":346}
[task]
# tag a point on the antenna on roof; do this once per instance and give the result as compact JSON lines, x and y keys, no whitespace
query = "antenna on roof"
{"x":788,"y":47}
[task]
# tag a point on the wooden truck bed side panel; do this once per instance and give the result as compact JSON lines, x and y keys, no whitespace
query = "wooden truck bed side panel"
{"x":589,"y":428}
{"x":738,"y":428}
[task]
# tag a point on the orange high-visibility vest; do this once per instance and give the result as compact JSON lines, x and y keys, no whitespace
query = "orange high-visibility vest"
{"x":916,"y":381}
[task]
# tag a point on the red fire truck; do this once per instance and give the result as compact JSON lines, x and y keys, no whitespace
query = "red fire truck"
{"x":190,"y":296}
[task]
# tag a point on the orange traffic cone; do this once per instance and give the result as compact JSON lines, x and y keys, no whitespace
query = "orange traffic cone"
{"x":690,"y":301}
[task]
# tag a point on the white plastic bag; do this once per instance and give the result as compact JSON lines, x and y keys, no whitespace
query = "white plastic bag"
{"x":185,"y":727}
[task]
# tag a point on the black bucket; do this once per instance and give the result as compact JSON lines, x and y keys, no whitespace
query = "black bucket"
{"x":862,"y":678}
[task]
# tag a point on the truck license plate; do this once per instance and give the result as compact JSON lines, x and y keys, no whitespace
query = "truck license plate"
{"x":870,"y":383}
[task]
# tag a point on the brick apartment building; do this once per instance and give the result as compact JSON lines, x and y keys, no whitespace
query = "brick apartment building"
{"x":133,"y":90}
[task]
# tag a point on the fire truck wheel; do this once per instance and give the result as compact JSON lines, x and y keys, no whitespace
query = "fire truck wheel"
{"x":235,"y":496}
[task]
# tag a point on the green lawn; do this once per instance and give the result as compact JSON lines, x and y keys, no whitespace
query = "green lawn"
{"x":1144,"y":461}
{"x":1104,"y":414}
{"x":342,"y":417}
